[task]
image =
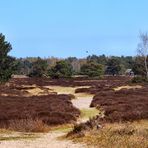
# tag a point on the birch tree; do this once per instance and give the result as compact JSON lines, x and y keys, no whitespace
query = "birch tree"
{"x":143,"y":50}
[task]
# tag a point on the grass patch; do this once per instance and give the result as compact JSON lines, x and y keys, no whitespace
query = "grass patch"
{"x":5,"y":131}
{"x":89,"y":113}
{"x":83,"y":95}
{"x":62,"y":128}
{"x":6,"y":135}
{"x":13,"y":138}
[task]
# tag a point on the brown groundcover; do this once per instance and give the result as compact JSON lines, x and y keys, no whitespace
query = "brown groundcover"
{"x":123,"y":105}
{"x":51,"y":109}
{"x":72,"y":81}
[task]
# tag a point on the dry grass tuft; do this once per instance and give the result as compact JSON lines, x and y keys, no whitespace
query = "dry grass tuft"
{"x":28,"y":125}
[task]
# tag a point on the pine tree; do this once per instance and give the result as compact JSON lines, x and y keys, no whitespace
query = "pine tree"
{"x":7,"y":63}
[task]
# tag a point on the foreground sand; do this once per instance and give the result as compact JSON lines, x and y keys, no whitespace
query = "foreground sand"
{"x":49,"y":140}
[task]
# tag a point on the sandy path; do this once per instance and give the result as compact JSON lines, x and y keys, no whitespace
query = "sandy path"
{"x":82,"y":103}
{"x":46,"y":141}
{"x":50,"y":140}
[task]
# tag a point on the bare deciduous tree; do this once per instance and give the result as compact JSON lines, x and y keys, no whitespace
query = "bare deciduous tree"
{"x":143,"y":49}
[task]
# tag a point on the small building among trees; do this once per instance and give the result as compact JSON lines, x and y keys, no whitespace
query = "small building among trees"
{"x":129,"y":72}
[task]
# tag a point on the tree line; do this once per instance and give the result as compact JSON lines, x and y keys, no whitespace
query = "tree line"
{"x":91,"y":66}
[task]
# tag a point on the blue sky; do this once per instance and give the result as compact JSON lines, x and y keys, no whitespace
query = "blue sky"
{"x":63,"y":28}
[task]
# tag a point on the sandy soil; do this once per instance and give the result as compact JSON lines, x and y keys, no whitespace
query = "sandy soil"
{"x":82,"y":103}
{"x":128,"y":87}
{"x":51,"y":140}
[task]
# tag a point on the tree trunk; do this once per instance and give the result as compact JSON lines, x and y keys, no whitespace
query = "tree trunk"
{"x":146,"y":68}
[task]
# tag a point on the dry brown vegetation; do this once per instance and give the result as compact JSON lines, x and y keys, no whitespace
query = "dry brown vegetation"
{"x":80,"y":81}
{"x":106,"y":84}
{"x":28,"y":125}
{"x":29,"y":104}
{"x":120,"y":102}
{"x":117,"y":135}
{"x":120,"y":99}
{"x":51,"y":109}
{"x":32,"y":96}
{"x":123,"y":105}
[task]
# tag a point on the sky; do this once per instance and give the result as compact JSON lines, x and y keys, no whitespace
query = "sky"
{"x":63,"y":28}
